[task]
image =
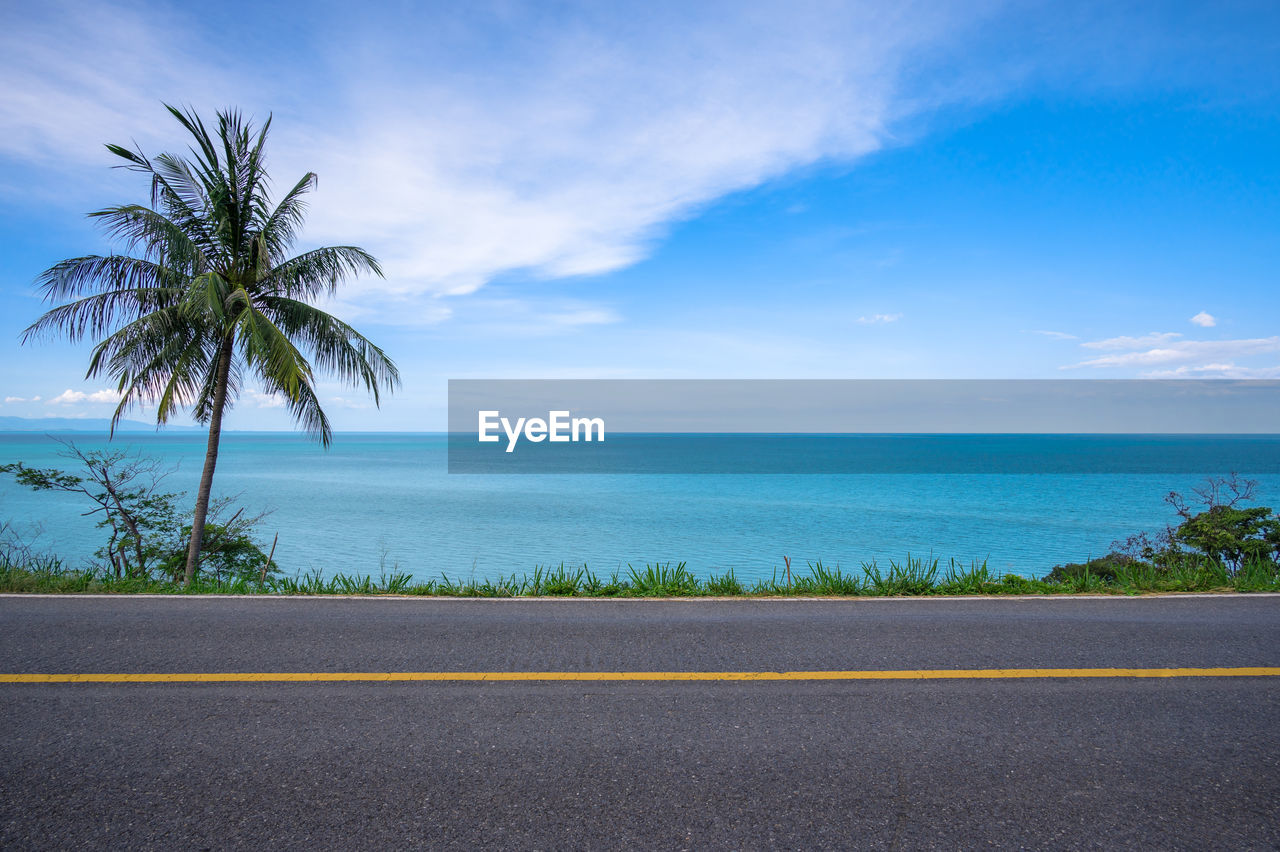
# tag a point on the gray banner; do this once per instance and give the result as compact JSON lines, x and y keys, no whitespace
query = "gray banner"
{"x":784,"y":426}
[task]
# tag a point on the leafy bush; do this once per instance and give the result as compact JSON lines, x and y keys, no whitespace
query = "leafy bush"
{"x":228,"y":551}
{"x":1231,"y":535}
{"x":1103,"y":568}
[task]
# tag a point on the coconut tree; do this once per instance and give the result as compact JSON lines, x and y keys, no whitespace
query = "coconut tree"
{"x":205,"y":296}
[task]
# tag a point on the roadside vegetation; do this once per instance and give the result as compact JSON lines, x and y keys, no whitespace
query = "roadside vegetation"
{"x":912,"y":577}
{"x":1221,"y":543}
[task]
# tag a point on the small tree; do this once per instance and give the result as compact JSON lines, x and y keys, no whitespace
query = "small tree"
{"x":1223,"y":529}
{"x":129,"y":503}
{"x":146,"y":536}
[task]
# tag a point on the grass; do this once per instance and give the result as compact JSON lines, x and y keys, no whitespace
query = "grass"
{"x":914,"y":576}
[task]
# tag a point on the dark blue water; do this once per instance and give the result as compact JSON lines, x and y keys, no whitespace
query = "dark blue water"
{"x":385,"y":500}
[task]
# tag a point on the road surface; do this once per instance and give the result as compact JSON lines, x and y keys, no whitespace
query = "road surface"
{"x":1073,"y":760}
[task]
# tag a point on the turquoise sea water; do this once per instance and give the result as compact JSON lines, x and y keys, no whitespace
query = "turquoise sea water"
{"x":381,"y":500}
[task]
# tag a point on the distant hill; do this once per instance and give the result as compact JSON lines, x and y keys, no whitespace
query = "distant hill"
{"x":82,"y":424}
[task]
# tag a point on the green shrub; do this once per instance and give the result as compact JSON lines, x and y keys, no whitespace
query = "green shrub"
{"x":1104,"y":568}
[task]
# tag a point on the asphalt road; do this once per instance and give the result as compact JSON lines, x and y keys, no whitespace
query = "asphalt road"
{"x":1060,"y":763}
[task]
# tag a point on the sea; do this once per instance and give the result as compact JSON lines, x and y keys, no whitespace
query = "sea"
{"x":377,"y":503}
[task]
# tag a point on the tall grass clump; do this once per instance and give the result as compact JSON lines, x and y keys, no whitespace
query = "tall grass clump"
{"x":976,"y":579}
{"x":822,"y":580}
{"x":661,"y":580}
{"x":725,"y":585}
{"x":557,"y":582}
{"x":915,"y":576}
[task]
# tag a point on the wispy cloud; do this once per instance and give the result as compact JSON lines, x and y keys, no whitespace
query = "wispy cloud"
{"x":521,"y":317}
{"x":348,"y":403}
{"x":613,"y":128}
{"x":1155,"y":338}
{"x":58,"y":108}
{"x":1204,"y":319}
{"x":1179,"y":352}
{"x":1056,"y":335}
{"x":562,"y":146}
{"x":1215,"y":371}
{"x":879,"y":319}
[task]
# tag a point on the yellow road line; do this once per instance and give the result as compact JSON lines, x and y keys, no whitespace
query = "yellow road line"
{"x":903,"y":674}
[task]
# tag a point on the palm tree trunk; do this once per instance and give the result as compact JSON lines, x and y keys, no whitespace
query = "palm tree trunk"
{"x":210,"y":459}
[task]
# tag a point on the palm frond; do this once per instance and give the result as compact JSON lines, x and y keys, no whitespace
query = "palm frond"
{"x":280,"y":230}
{"x":305,"y":407}
{"x":336,"y":347}
{"x":189,"y":119}
{"x":165,"y":369}
{"x":135,"y":346}
{"x":269,"y":353}
{"x":189,"y":199}
{"x":206,"y":299}
{"x":137,"y":161}
{"x":319,"y":272}
{"x":128,"y":288}
{"x":188,"y":371}
{"x":155,"y":236}
{"x":177,"y":189}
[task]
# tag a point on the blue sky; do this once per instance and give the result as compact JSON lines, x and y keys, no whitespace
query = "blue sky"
{"x":711,"y":190}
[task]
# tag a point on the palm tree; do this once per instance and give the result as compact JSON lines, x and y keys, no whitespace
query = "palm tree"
{"x":205,"y":294}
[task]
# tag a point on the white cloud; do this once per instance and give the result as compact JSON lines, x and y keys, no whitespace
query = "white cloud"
{"x":563,"y":145}
{"x":255,"y":398}
{"x":1056,"y":335}
{"x":573,"y":164}
{"x":1155,"y":338}
{"x":879,"y":319}
{"x":1184,"y":352}
{"x":74,"y":397}
{"x":1204,"y":319}
{"x":11,"y":399}
{"x":581,"y":316}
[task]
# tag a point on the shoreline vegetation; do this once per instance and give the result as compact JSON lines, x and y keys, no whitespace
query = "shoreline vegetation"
{"x":1113,"y":574}
{"x":1222,"y":543}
